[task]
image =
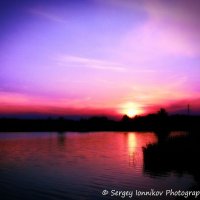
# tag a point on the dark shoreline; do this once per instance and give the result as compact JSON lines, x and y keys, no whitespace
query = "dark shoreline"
{"x":159,"y":123}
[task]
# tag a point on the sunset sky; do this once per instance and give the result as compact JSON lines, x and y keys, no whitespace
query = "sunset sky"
{"x":99,"y":57}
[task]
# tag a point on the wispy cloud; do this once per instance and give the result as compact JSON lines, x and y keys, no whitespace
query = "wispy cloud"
{"x":76,"y":61}
{"x":13,"y":97}
{"x":173,"y":88}
{"x":46,"y":15}
{"x":23,"y":99}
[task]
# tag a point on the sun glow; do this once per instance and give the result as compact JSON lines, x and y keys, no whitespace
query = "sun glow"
{"x":131,"y":112}
{"x":130,"y":109}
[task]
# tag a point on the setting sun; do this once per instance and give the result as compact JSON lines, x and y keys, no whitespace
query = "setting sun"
{"x":130,"y":109}
{"x":131,"y":113}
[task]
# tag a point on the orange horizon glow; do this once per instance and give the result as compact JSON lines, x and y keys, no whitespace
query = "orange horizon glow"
{"x":11,"y":103}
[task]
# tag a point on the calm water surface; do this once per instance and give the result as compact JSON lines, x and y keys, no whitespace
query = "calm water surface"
{"x":57,"y":166}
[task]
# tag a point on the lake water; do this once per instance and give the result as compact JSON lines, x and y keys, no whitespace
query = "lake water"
{"x":57,"y":166}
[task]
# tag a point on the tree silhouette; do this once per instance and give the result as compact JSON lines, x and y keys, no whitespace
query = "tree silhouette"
{"x":162,"y":113}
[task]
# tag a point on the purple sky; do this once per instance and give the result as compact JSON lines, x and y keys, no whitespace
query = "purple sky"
{"x":99,"y":56}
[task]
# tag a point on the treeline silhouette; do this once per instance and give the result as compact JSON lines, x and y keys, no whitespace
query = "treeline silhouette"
{"x":152,"y":122}
{"x":174,"y":154}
